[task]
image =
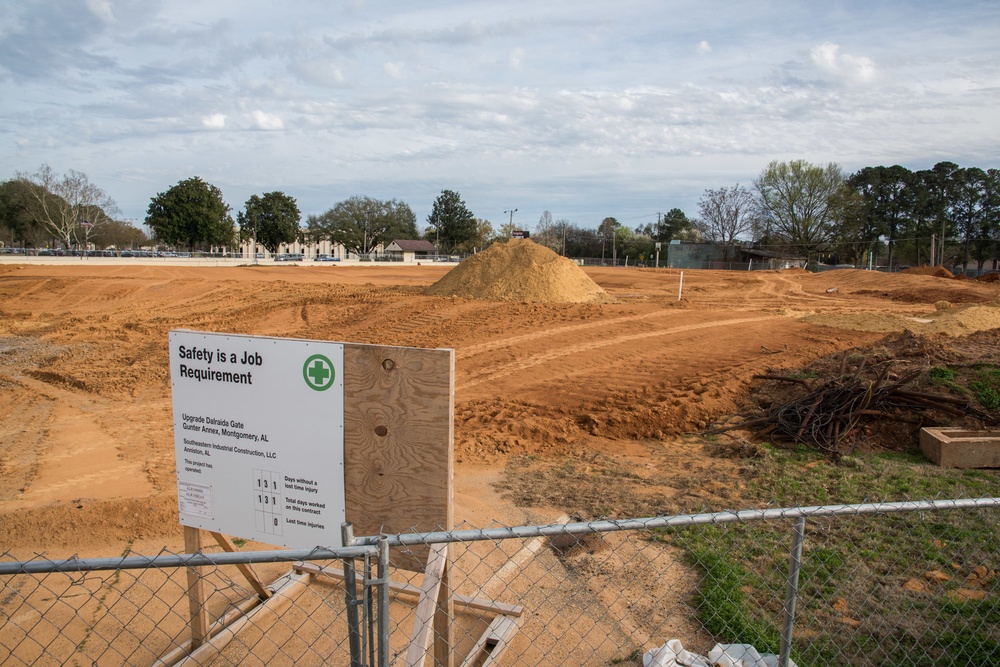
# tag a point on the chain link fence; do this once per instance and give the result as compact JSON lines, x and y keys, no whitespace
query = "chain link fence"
{"x":912,"y":583}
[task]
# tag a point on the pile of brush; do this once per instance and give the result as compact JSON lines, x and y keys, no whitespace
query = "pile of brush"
{"x":830,"y":415}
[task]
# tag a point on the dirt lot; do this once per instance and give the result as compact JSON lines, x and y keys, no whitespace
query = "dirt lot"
{"x":86,"y":443}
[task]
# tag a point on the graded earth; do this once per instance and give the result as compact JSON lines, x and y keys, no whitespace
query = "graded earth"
{"x":86,"y":432}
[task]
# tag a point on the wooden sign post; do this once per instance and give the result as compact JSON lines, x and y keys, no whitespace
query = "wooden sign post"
{"x":398,"y":454}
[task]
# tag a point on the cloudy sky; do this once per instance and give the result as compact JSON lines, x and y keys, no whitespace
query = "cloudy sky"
{"x":585,"y":109}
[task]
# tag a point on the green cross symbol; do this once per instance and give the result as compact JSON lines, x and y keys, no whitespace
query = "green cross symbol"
{"x":318,"y":372}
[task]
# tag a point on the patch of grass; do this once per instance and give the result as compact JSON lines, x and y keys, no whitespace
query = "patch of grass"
{"x":981,"y":381}
{"x":845,"y":558}
{"x":963,"y":648}
{"x":941,"y":375}
{"x":986,"y":388}
{"x":987,"y":610}
{"x":635,"y":658}
{"x":721,"y":602}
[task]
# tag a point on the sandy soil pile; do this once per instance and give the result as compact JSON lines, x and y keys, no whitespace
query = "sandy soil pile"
{"x":941,"y":272}
{"x":936,"y":271}
{"x":520,"y":270}
{"x":959,"y":321}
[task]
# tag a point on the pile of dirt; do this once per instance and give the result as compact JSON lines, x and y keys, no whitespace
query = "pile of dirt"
{"x":936,"y":271}
{"x":941,"y":272}
{"x":962,"y":370}
{"x":959,"y":321}
{"x":520,"y":270}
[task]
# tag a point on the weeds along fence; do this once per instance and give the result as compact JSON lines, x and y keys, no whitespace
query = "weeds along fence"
{"x":911,"y":583}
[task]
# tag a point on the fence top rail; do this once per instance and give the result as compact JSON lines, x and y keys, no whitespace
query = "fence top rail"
{"x":368,"y":546}
{"x":169,"y":560}
{"x":680,"y":520}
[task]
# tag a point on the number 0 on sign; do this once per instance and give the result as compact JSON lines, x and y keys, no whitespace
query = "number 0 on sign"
{"x":259,"y":436}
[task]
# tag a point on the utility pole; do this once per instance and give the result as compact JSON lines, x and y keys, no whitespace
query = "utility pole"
{"x":512,"y":212}
{"x":254,"y":249}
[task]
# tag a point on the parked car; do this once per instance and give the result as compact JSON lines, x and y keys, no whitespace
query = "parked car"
{"x":289,"y":257}
{"x":326,"y":258}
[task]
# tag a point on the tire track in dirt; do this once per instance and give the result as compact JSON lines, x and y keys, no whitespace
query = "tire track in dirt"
{"x":522,"y":364}
{"x":765,"y":290}
{"x":549,"y":333}
{"x":75,"y":457}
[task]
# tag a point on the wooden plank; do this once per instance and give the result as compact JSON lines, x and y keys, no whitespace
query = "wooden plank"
{"x":516,"y":563}
{"x":272,"y":607}
{"x":195,"y":590}
{"x":227,"y":545}
{"x":493,"y":642}
{"x":423,"y":625}
{"x":444,"y":628}
{"x":404,"y":588}
{"x":182,"y":650}
{"x":504,"y":629}
{"x":399,"y":442}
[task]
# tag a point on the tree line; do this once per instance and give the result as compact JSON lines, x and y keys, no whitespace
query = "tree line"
{"x":945,"y":214}
{"x":40,"y":208}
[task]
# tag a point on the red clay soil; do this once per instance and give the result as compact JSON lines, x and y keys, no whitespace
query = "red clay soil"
{"x":86,"y":432}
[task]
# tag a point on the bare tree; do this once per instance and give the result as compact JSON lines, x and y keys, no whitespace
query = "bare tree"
{"x":726,"y":214}
{"x":801,"y":203}
{"x":69,"y":207}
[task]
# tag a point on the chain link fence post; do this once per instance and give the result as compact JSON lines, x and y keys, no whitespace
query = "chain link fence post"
{"x":792,"y":591}
{"x":351,"y":600}
{"x":383,"y":601}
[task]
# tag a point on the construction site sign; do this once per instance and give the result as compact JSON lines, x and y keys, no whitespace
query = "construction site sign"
{"x":259,"y":437}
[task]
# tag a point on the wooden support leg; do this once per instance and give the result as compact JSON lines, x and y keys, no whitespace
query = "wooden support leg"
{"x":444,"y":628}
{"x":227,"y":545}
{"x":426,"y":613}
{"x":196,"y":590}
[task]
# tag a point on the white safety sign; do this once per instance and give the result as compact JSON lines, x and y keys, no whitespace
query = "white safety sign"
{"x":259,"y":436}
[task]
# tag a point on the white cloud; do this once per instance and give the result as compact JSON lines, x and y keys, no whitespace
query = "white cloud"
{"x":215,"y":121}
{"x":827,"y":56}
{"x":101,"y":9}
{"x":318,"y":72}
{"x":267,"y":121}
{"x":394,"y":70}
{"x":405,"y":102}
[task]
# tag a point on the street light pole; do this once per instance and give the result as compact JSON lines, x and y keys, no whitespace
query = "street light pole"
{"x":512,"y":212}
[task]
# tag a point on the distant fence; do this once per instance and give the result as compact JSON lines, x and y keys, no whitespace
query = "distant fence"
{"x":956,"y":270}
{"x":913,"y":583}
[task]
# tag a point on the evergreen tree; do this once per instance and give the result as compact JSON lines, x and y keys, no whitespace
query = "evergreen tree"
{"x":270,"y":220}
{"x":452,"y":223}
{"x":190,"y":213}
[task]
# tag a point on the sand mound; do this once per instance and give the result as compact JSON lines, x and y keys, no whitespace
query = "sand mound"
{"x":959,"y":321}
{"x":520,"y":270}
{"x":989,"y":278}
{"x":936,"y":271}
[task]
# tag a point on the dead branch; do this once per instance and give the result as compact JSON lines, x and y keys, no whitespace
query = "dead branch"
{"x":830,"y":415}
